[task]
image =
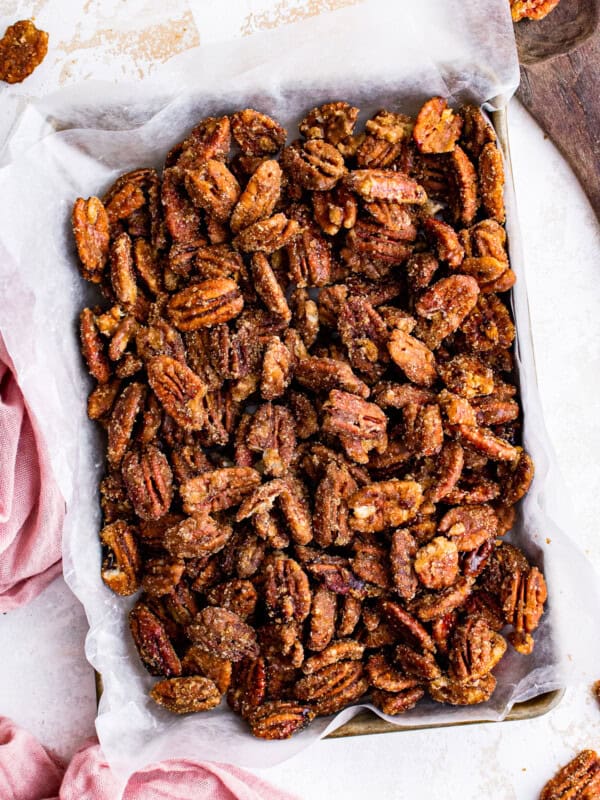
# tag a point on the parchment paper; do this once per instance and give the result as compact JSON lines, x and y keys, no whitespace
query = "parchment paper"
{"x":74,"y":144}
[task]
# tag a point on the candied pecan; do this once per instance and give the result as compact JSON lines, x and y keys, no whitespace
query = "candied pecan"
{"x":123,"y":335}
{"x":267,"y":235}
{"x":402,"y":552}
{"x":333,"y":687}
{"x":121,"y":566}
{"x":223,"y":633}
{"x":196,"y":537}
{"x":413,"y":357}
{"x":323,"y":612}
{"x":333,"y":122}
{"x":341,"y":650}
{"x":449,"y":468}
{"x":464,"y":196}
{"x":491,"y":181}
{"x":92,"y":347}
{"x":462,"y":693}
{"x":475,"y":650}
{"x":518,"y":479}
{"x":580,"y":778}
{"x":476,"y":130}
{"x":335,"y":209}
{"x":421,"y":666}
{"x":120,"y":427}
{"x":436,"y":604}
{"x":445,"y":305}
{"x":272,"y":434}
{"x":259,"y":197}
{"x":186,"y":695}
{"x":386,"y":504}
{"x":152,"y":642}
{"x":305,"y":316}
{"x":436,"y":563}
{"x":407,"y":627}
{"x":213,"y":187}
{"x":286,"y":589}
{"x":336,"y":576}
{"x":181,"y":604}
{"x":441,"y":630}
{"x":268,"y":288}
{"x":248,"y":686}
{"x":309,"y":254}
{"x":276,"y":370}
{"x":235,"y":595}
{"x":326,"y":374}
{"x":489,"y":325}
{"x":331,"y":506}
{"x":361,"y":426}
{"x":179,"y":390}
{"x":290,"y":495}
{"x":149,"y":482}
{"x":535,"y":10}
{"x":22,"y":48}
{"x":365,"y":335}
{"x":349,"y":615}
{"x":123,"y":200}
{"x":423,"y":433}
{"x":469,"y":526}
{"x":279,"y":719}
{"x":369,"y":564}
{"x":445,"y":240}
{"x":159,"y":339}
{"x":91,"y":232}
{"x":314,"y":164}
{"x":382,"y":675}
{"x":523,"y":595}
{"x":373,"y":244}
{"x":182,"y":218}
{"x":385,"y":184}
{"x":396,"y":395}
{"x":122,"y":275}
{"x":486,"y":442}
{"x":101,"y":399}
{"x":256,"y":133}
{"x":161,"y":575}
{"x":218,"y":489}
{"x":198,"y":662}
{"x":490,"y":411}
{"x":205,"y":304}
{"x":394,"y":703}
{"x":436,"y":128}
{"x":467,"y":376}
{"x":420,"y":269}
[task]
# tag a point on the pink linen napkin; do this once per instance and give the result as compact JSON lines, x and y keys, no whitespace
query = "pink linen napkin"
{"x":31,"y":506}
{"x":28,"y":772}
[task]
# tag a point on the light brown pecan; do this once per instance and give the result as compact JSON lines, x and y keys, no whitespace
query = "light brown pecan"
{"x":161,"y":575}
{"x":489,"y":325}
{"x":272,"y":434}
{"x":122,"y":275}
{"x":218,"y":489}
{"x":267,"y":235}
{"x":518,"y":479}
{"x":322,"y":619}
{"x":326,"y":374}
{"x":579,"y":779}
{"x":361,"y":426}
{"x":491,"y":181}
{"x":374,"y":250}
{"x":333,"y":122}
{"x":382,"y":675}
{"x":268,"y":287}
{"x":197,"y":536}
{"x":387,"y":504}
{"x":407,"y":627}
{"x":421,"y":666}
{"x":205,"y":304}
{"x":331,"y":506}
{"x":335,"y":209}
{"x":402,"y":552}
{"x":365,"y":335}
{"x":198,"y":662}
{"x":436,"y":563}
{"x":314,"y":165}
{"x":476,"y":131}
{"x":467,"y":376}
{"x":423,"y":433}
{"x":286,"y":589}
{"x":523,"y":594}
{"x":394,"y":703}
{"x":92,"y":347}
{"x":464,"y":195}
{"x":413,"y":357}
{"x":384,"y":184}
{"x":276,"y":370}
{"x":259,"y":198}
{"x":445,"y":240}
{"x":186,"y":695}
{"x":437,"y":604}
{"x":149,"y":482}
{"x":121,"y":566}
{"x":462,"y":693}
{"x":370,"y":564}
{"x":256,"y":133}
{"x":152,"y":642}
{"x":445,"y":305}
{"x":449,"y":468}
{"x":341,"y":650}
{"x":224,"y":634}
{"x":290,"y":496}
{"x":179,"y":390}
{"x":333,"y":687}
{"x":120,"y":427}
{"x":436,"y":128}
{"x":475,"y":650}
{"x":101,"y":400}
{"x":213,"y":188}
{"x":279,"y":719}
{"x":469,"y":526}
{"x":235,"y":595}
{"x":483,"y":440}
{"x":349,"y":615}
{"x":91,"y":232}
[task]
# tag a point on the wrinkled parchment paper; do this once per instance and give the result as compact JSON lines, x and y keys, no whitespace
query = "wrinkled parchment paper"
{"x":75,"y":143}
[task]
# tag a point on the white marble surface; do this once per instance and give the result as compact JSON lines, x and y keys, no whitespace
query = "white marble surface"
{"x":45,"y":682}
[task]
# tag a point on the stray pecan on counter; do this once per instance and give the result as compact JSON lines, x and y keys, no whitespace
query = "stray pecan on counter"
{"x":578,"y":780}
{"x":303,"y":363}
{"x":22,"y":48}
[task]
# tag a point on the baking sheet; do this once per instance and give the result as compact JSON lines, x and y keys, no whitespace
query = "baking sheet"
{"x":75,"y":143}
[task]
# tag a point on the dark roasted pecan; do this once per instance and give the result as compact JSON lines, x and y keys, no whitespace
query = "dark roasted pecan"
{"x":286,"y":589}
{"x":186,"y":695}
{"x":248,"y":686}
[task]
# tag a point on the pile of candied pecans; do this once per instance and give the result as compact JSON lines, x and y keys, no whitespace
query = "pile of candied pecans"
{"x":304,"y":371}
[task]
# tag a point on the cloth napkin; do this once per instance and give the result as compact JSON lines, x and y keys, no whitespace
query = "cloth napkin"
{"x":29,"y":772}
{"x":31,"y":506}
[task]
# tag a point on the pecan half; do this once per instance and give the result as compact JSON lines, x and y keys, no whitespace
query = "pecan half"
{"x":91,"y":232}
{"x":205,"y":304}
{"x":153,"y":644}
{"x":387,"y":504}
{"x":259,"y":198}
{"x":286,"y":589}
{"x":121,"y":567}
{"x":186,"y":695}
{"x":256,"y":133}
{"x":218,"y":489}
{"x":279,"y":719}
{"x":333,"y":687}
{"x":462,"y":693}
{"x":224,"y":634}
{"x":149,"y":482}
{"x":179,"y":390}
{"x":580,"y":778}
{"x":314,"y":164}
{"x":361,"y":426}
{"x":436,"y":128}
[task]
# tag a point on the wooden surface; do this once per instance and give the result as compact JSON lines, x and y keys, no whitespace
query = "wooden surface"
{"x":560,"y":76}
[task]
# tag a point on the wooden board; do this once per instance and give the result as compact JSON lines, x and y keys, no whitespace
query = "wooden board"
{"x":560,"y":78}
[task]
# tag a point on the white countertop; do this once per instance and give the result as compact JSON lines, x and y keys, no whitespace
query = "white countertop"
{"x":47,"y":685}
